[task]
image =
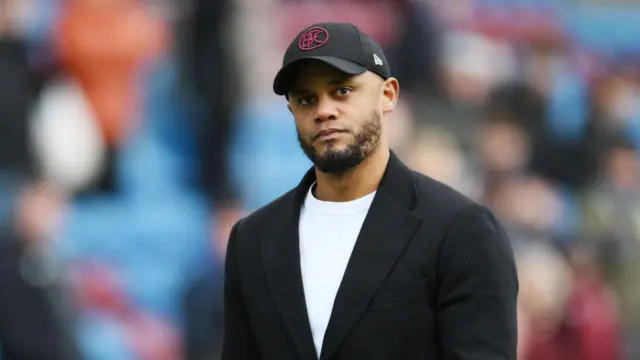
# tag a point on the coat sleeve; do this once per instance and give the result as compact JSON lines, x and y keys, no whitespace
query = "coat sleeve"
{"x":478,"y":289}
{"x":239,"y":339}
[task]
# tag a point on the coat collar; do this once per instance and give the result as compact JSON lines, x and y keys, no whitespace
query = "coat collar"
{"x":397,"y":182}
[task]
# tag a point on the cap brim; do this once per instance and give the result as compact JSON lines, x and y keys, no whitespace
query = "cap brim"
{"x":284,"y":78}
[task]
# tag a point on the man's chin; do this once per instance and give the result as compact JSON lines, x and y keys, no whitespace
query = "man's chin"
{"x":333,"y":155}
{"x":336,"y":162}
{"x":332,"y":167}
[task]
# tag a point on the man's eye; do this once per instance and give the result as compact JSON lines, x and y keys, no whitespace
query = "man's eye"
{"x":305,"y":100}
{"x":343,"y":91}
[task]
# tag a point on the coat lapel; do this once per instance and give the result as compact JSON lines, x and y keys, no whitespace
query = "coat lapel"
{"x":386,"y":232}
{"x":280,"y":252}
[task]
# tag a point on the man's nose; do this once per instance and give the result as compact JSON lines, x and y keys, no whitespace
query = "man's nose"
{"x":326,"y":109}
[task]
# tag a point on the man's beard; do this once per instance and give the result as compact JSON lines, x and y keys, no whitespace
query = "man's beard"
{"x":337,"y":161}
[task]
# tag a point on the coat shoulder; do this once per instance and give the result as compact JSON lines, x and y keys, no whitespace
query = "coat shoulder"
{"x":261,"y":218}
{"x":434,"y":194}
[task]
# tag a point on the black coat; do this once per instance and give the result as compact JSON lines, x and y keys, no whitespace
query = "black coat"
{"x":432,"y":276}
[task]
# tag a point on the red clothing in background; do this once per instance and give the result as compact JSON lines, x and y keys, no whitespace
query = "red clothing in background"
{"x":590,"y":330}
{"x":103,"y":47}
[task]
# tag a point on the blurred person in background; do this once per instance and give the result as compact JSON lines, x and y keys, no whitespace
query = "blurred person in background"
{"x":504,"y":144}
{"x":208,"y":75}
{"x":567,"y":311}
{"x":208,"y":69}
{"x":612,"y":213}
{"x":613,"y":204}
{"x":34,"y":318}
{"x":132,"y":238}
{"x":593,"y":309}
{"x":576,"y":116}
{"x":545,"y":286}
{"x":104,"y":46}
{"x":512,"y":134}
{"x":436,"y":153}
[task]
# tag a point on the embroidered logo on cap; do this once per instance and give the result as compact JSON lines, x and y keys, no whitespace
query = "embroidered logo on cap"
{"x":377,"y":60}
{"x":313,"y":39}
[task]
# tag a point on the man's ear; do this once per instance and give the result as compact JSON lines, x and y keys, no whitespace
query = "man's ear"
{"x":390,"y":92}
{"x":289,"y":107}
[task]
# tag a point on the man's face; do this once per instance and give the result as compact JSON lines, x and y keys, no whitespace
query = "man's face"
{"x":338,"y":117}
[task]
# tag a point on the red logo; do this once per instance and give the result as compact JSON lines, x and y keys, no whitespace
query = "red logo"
{"x":313,"y":39}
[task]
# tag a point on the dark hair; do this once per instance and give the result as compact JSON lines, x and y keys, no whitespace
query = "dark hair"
{"x":518,"y":103}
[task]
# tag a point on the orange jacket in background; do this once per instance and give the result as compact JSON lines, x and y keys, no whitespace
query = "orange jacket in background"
{"x":103,"y":45}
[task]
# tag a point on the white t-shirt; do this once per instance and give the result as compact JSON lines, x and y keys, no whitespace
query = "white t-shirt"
{"x":328,"y":233}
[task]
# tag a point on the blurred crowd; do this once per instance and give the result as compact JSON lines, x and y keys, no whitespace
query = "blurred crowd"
{"x":134,"y":133}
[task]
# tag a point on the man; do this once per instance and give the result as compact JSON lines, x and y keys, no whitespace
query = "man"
{"x":365,"y":259}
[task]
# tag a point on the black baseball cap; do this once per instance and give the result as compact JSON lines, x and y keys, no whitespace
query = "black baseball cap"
{"x":341,"y":45}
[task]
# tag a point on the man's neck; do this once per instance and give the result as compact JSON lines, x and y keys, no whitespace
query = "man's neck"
{"x":355,"y":183}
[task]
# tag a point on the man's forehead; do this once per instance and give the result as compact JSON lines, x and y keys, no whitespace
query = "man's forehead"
{"x":316,"y":73}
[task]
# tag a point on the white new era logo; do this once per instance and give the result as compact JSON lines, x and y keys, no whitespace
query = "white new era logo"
{"x":377,"y":60}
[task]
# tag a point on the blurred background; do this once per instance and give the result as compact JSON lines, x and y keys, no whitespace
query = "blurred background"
{"x":134,"y":133}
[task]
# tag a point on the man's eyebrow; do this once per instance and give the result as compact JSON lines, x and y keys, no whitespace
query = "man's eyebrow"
{"x":299,"y":91}
{"x":341,"y":80}
{"x":333,"y":82}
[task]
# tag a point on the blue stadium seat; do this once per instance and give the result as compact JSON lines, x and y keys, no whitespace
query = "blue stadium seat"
{"x":265,"y":156}
{"x":608,"y":29}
